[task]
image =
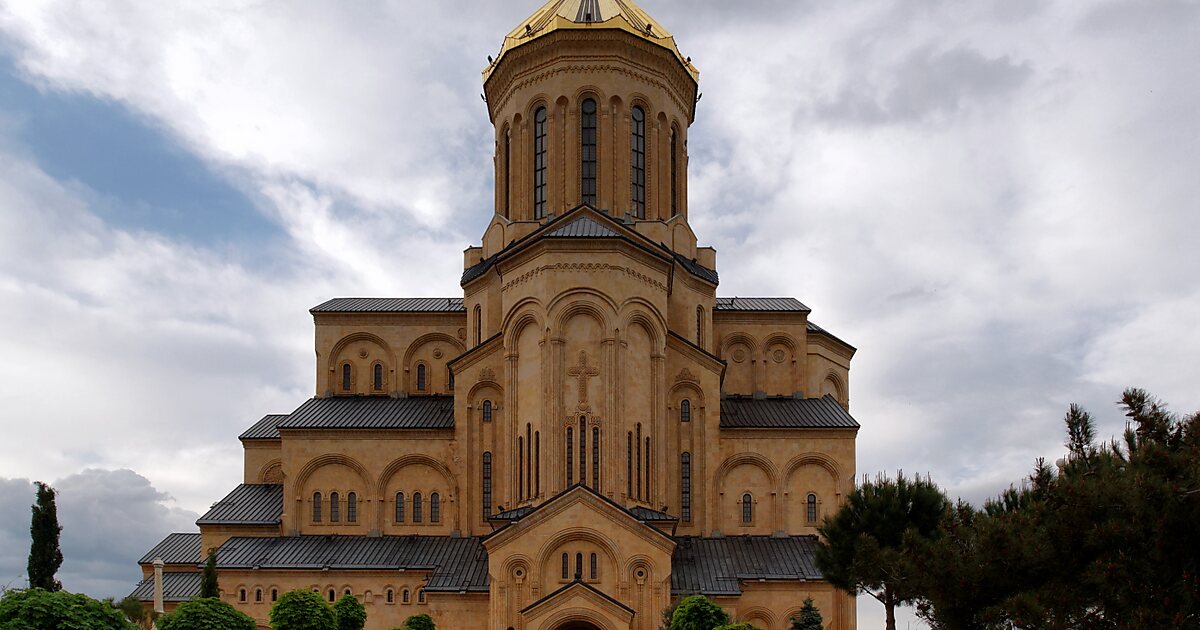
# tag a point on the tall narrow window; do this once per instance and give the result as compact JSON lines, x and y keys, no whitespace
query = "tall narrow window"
{"x":316,"y":507}
{"x":593,"y":568}
{"x":416,"y":507}
{"x":377,"y":378}
{"x":570,"y":457}
{"x":583,"y":450}
{"x":596,"y":458}
{"x":537,"y":464}
{"x":700,"y":326}
{"x":587,"y":152}
{"x":566,"y":566}
{"x":647,"y":468}
{"x":242,"y":595}
{"x":422,"y":377}
{"x":507,"y":171}
{"x":478,"y":324}
{"x":578,"y":566}
{"x":685,"y":410}
{"x":352,"y":508}
{"x":812,"y":508}
{"x":629,"y":465}
{"x":487,"y":411}
{"x":346,"y":377}
{"x":435,"y":508}
{"x":638,"y":161}
{"x":685,"y":487}
{"x":406,"y":596}
{"x":674,"y":171}
{"x":487,"y":485}
{"x":529,"y":460}
{"x":520,"y":468}
{"x":539,"y":163}
{"x":399,"y":507}
{"x":638,"y":448}
{"x":335,"y":508}
{"x":747,"y":509}
{"x":391,"y":596}
{"x":421,"y":596}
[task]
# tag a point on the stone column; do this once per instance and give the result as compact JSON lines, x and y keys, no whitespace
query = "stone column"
{"x":158,"y":586}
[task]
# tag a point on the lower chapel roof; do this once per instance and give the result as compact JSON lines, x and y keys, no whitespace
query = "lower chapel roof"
{"x":247,"y":504}
{"x":177,"y":549}
{"x":437,"y":413}
{"x":709,"y":566}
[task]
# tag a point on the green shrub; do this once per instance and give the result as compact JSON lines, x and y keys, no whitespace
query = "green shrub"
{"x":419,"y":622}
{"x":302,"y":610}
{"x":37,"y":609}
{"x":698,"y":613}
{"x":206,"y":614}
{"x":349,"y":613}
{"x":741,"y":625}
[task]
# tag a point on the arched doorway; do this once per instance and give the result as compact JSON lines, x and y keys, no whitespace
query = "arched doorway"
{"x":578,"y":625}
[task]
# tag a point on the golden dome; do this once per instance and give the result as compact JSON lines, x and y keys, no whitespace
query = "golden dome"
{"x":585,"y":14}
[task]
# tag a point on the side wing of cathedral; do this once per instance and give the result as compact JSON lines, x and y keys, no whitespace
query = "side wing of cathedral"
{"x":583,"y":436}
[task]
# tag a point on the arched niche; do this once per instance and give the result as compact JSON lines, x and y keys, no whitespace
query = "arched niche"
{"x":360,"y":351}
{"x":434,"y":351}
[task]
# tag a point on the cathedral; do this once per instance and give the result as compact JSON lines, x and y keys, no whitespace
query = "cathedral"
{"x":585,"y":434}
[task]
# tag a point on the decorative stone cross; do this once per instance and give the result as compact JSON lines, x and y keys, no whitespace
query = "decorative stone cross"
{"x":584,"y":373}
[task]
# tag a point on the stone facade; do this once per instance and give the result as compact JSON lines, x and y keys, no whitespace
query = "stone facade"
{"x":572,"y":415}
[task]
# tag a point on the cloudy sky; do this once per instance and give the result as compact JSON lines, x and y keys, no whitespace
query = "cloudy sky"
{"x":995,"y":201}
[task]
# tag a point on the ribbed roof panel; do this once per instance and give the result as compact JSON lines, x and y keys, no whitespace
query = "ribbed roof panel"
{"x":764,"y":304}
{"x":716,"y":566}
{"x":583,"y":227}
{"x":265,"y":429}
{"x":175,"y":549}
{"x":455,"y":564}
{"x":248,"y":504}
{"x":390,"y":305}
{"x":785,"y":413}
{"x":177,"y":587}
{"x":373,"y":412}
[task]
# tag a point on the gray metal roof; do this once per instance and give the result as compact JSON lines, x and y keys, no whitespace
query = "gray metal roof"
{"x":175,"y":549}
{"x":715,"y":566}
{"x":784,"y":413}
{"x":455,"y":564}
{"x":248,"y":504}
{"x":583,"y":227}
{"x":265,"y":429}
{"x":698,"y":270}
{"x":813,"y":328}
{"x":653,"y":516}
{"x":391,"y":305}
{"x":773,"y":304}
{"x":373,"y":412}
{"x":177,"y":587}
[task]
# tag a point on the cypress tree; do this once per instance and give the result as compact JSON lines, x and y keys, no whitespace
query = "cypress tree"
{"x":44,"y":555}
{"x":208,"y":581}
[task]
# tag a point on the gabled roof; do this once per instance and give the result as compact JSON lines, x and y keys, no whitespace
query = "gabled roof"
{"x":373,"y":412}
{"x":177,"y":587}
{"x":643,"y":515}
{"x":175,"y":549}
{"x":265,"y":429}
{"x":390,"y":305}
{"x":761,"y":304}
{"x":455,"y":564}
{"x":716,"y":566}
{"x":784,"y":413}
{"x":585,"y":586}
{"x":247,"y":504}
{"x":583,"y":221}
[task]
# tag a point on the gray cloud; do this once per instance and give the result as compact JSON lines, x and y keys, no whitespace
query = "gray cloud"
{"x":110,"y":518}
{"x":995,"y":201}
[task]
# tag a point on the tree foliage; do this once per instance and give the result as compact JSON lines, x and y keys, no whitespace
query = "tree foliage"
{"x":206,"y":614}
{"x":134,"y":611}
{"x":208,"y":579}
{"x":39,"y":609}
{"x":350,"y":613}
{"x":809,"y":618}
{"x":865,"y":547}
{"x":45,"y":557}
{"x":741,"y":625}
{"x":698,"y":613}
{"x":419,"y":622}
{"x":302,"y":610}
{"x":1105,"y":541}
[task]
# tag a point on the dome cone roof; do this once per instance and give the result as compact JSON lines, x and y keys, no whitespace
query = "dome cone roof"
{"x":583,"y":14}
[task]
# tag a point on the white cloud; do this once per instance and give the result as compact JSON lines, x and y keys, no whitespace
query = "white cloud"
{"x":993,"y":200}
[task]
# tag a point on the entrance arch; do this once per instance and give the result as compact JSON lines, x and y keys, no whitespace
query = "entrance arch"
{"x":578,"y":625}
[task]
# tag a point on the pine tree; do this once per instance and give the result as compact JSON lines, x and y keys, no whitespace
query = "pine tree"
{"x":208,"y":581}
{"x":809,"y":618}
{"x":45,"y":557}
